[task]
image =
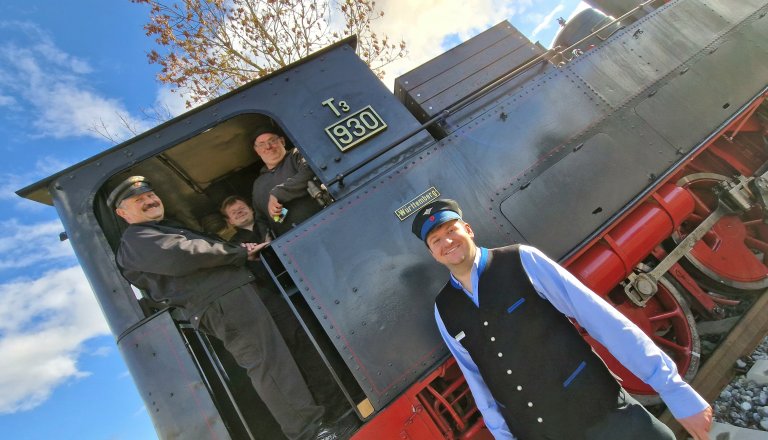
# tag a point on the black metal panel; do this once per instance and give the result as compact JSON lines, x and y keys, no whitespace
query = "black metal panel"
{"x":434,"y":86}
{"x":734,"y":12}
{"x":711,"y":89}
{"x":451,"y":58}
{"x":370,"y":282}
{"x":579,"y":193}
{"x":169,"y":382}
{"x":648,"y":50}
{"x":520,"y":135}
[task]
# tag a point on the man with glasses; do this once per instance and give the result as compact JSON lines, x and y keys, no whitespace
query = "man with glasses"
{"x":280,"y":197}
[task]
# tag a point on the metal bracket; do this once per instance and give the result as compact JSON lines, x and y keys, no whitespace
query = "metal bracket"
{"x":760,"y":190}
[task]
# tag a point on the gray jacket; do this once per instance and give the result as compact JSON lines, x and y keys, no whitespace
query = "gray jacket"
{"x":181,"y":266}
{"x":288,"y":183}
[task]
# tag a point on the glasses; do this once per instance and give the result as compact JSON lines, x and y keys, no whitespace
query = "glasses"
{"x":272,"y":142}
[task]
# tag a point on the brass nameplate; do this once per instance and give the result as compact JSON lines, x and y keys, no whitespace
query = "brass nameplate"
{"x":417,"y":203}
{"x":356,"y":128}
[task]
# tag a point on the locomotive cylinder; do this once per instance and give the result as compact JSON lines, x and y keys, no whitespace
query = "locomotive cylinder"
{"x":613,"y":257}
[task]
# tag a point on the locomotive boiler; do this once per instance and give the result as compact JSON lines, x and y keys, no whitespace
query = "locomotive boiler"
{"x":634,"y":151}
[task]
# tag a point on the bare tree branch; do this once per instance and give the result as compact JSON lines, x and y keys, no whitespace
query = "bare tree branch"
{"x":212,"y":46}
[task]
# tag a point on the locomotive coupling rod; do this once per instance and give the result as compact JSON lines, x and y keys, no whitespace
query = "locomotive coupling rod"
{"x":733,"y":197}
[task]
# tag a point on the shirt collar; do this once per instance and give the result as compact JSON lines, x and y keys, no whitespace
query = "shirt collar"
{"x":478,"y":266}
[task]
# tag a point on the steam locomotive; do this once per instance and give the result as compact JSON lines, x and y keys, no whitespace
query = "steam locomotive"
{"x":634,"y":152}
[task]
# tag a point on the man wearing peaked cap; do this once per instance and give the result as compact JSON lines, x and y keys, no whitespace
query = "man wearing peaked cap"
{"x":504,"y":315}
{"x":131,"y":186}
{"x":208,"y":278}
{"x":435,"y":214}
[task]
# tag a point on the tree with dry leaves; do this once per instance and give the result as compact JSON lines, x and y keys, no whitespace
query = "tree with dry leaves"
{"x":209,"y":47}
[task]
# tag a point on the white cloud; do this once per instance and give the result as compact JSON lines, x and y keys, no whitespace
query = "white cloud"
{"x":11,"y":182}
{"x":43,"y":325}
{"x":425,"y":24}
{"x":174,"y":102}
{"x":52,"y":87}
{"x":32,"y":245}
{"x":102,"y":351}
{"x":547,"y":21}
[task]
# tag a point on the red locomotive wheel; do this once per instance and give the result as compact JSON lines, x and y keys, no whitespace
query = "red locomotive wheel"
{"x":733,"y":256}
{"x":668,"y":321}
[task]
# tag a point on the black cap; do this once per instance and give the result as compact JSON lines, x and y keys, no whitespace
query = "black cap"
{"x":264,"y":129}
{"x":131,"y":186}
{"x":433,"y":215}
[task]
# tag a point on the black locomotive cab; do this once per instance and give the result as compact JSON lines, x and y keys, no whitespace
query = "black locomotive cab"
{"x":606,"y":155}
{"x":347,"y":126}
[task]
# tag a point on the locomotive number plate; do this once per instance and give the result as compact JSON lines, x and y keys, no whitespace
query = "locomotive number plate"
{"x":356,"y":128}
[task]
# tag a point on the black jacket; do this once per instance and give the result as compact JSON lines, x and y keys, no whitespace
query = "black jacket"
{"x":288,"y":183}
{"x":184,"y":267}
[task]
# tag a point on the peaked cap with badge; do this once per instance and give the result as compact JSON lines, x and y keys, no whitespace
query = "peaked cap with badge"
{"x":129,"y":187}
{"x":433,"y":215}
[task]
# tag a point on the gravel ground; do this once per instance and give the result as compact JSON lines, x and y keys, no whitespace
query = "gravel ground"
{"x":743,"y":403}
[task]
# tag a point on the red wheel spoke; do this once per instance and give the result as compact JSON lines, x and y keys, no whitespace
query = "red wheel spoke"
{"x":755,"y":222}
{"x":671,"y":345}
{"x":756,"y":244}
{"x":666,"y":315}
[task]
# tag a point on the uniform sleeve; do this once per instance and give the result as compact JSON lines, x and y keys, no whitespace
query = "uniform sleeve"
{"x":294,"y":186}
{"x":483,"y":398}
{"x":626,"y":342}
{"x":154,"y":251}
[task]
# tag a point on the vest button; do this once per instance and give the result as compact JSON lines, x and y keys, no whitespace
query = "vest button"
{"x":509,"y":371}
{"x":539,"y":420}
{"x":492,"y":339}
{"x":485,"y":323}
{"x":519,"y":388}
{"x":500,"y":354}
{"x":530,"y":404}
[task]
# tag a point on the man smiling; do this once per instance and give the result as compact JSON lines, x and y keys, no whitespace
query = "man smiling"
{"x":208,"y":279}
{"x":504,"y":316}
{"x":280,"y":196}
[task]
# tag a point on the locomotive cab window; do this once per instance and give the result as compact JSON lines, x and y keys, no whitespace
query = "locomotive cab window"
{"x":246,"y":159}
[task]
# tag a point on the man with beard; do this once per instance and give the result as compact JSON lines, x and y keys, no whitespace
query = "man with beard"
{"x":207,"y":278}
{"x":504,"y":315}
{"x":280,"y":196}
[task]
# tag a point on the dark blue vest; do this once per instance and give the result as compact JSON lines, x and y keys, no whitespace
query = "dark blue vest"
{"x":544,"y":376}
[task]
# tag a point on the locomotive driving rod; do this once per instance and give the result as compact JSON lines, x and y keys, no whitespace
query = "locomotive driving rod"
{"x":733,"y":197}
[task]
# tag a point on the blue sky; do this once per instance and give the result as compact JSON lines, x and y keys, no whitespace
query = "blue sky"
{"x":64,"y":66}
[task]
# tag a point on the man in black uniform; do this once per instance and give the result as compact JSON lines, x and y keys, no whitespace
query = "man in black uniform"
{"x":237,"y":213}
{"x":240,"y":216}
{"x":504,"y":316}
{"x":280,"y":196}
{"x":208,"y":279}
